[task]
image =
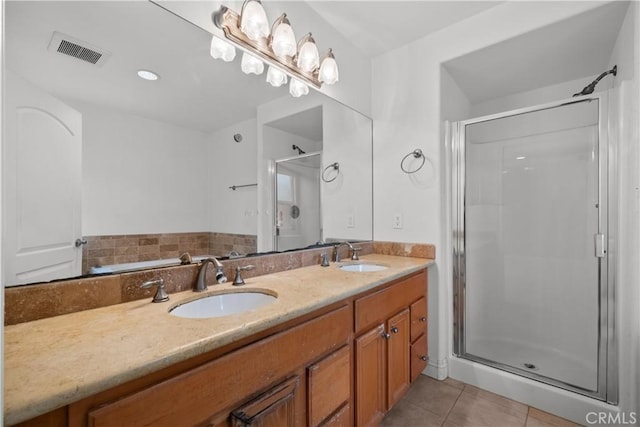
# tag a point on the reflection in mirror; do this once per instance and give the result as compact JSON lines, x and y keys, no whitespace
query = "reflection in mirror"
{"x":298,"y":222}
{"x":146,"y":170}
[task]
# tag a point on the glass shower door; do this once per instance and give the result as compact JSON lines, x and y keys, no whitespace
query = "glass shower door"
{"x":533,"y":244}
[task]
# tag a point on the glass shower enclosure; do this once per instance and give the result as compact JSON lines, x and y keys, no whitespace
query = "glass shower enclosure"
{"x":530,"y":220}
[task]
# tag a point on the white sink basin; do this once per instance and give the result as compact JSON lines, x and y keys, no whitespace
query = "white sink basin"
{"x":220,"y":305}
{"x":362,"y":267}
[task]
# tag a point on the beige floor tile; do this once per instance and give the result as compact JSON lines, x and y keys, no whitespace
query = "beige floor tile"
{"x":538,"y":418}
{"x":476,"y":410}
{"x":453,"y":383}
{"x":406,"y":414}
{"x":433,"y":395}
{"x":506,"y":403}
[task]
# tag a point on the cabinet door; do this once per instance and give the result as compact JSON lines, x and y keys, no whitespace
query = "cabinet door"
{"x":329,"y":385}
{"x":418,"y":318}
{"x":342,"y":418}
{"x":419,"y":357}
{"x":275,"y":408}
{"x":370,"y":373}
{"x":398,"y":369}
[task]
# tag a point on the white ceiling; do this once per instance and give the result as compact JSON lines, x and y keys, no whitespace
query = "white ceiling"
{"x":375,"y":27}
{"x":307,"y":124}
{"x":579,"y":47}
{"x":194,"y":90}
{"x":198,"y":92}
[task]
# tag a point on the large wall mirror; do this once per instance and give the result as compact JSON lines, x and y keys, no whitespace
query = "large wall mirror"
{"x":102,"y":168}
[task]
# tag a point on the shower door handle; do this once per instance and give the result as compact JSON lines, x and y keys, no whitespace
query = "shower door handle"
{"x":600,"y":247}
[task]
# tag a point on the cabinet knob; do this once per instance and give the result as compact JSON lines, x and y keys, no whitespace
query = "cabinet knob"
{"x":386,"y":335}
{"x":424,"y":358}
{"x":423,"y":319}
{"x":394,"y":329}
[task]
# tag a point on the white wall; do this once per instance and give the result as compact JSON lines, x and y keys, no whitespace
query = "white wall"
{"x":231,"y":163}
{"x":407,"y":114}
{"x":347,"y":141}
{"x":626,"y":54}
{"x":538,"y":96}
{"x":140,"y":175}
{"x":1,"y":220}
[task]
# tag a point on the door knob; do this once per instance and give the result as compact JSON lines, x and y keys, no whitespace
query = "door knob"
{"x":394,"y":329}
{"x":386,"y":335}
{"x":80,"y":242}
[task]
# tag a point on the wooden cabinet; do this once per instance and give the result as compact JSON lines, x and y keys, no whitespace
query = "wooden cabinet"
{"x":275,"y":408}
{"x":208,"y":394}
{"x":398,"y":357}
{"x":344,"y":365}
{"x":384,"y":352}
{"x":419,"y":346}
{"x":371,"y":363}
{"x":329,"y":385}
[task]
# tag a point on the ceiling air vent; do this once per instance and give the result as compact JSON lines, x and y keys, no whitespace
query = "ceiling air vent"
{"x":70,"y":46}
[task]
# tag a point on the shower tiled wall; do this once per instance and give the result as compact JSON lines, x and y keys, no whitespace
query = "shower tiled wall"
{"x":119,"y":249}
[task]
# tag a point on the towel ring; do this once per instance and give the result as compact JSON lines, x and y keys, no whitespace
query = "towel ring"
{"x":417,"y":154}
{"x":336,"y":167}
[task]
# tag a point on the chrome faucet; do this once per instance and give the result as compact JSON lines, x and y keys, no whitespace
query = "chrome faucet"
{"x":161,"y":294}
{"x":201,"y":283}
{"x":354,"y":251}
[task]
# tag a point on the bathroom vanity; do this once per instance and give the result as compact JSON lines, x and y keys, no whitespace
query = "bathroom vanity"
{"x":338,"y":348}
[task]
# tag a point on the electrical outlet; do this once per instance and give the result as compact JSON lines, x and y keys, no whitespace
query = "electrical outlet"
{"x":397,"y":220}
{"x":351,"y":221}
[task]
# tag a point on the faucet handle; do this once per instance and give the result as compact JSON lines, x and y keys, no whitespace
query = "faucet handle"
{"x":161,"y":295}
{"x":238,"y":280}
{"x":185,"y":258}
{"x":354,"y":256}
{"x":324,"y":260}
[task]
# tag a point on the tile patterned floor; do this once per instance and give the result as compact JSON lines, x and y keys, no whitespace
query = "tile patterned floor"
{"x":450,"y":403}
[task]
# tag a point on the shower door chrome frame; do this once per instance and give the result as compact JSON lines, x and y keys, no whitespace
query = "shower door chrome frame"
{"x":607,"y":374}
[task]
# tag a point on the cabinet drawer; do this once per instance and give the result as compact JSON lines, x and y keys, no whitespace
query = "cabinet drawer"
{"x":342,"y":418}
{"x":418,"y":318}
{"x":276,"y":407}
{"x":329,"y":385}
{"x":419,"y":357}
{"x":196,"y":395}
{"x":375,"y":308}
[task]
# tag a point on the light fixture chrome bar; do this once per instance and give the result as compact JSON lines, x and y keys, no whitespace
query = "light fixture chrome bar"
{"x":228,"y":21}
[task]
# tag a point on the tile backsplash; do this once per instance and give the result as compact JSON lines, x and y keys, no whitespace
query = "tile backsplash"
{"x":39,"y":301}
{"x":120,"y":249}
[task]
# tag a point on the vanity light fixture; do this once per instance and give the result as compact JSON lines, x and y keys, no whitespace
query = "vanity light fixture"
{"x":277,"y":48}
{"x":148,"y":75}
{"x":221,"y":49}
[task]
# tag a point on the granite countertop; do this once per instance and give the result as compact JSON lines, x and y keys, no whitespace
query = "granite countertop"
{"x":53,"y":362}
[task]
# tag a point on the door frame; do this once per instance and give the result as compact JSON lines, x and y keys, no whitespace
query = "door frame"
{"x":607,"y":389}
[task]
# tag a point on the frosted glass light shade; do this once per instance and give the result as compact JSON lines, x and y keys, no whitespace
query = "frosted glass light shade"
{"x":297,"y":88}
{"x":221,"y":49}
{"x":328,"y":72}
{"x":284,"y":41}
{"x":253,"y":20}
{"x":251,"y":65}
{"x":275,"y":77}
{"x":308,"y":57}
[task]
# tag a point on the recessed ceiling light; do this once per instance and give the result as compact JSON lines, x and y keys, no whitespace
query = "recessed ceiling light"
{"x":148,"y":75}
{"x":520,"y":158}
